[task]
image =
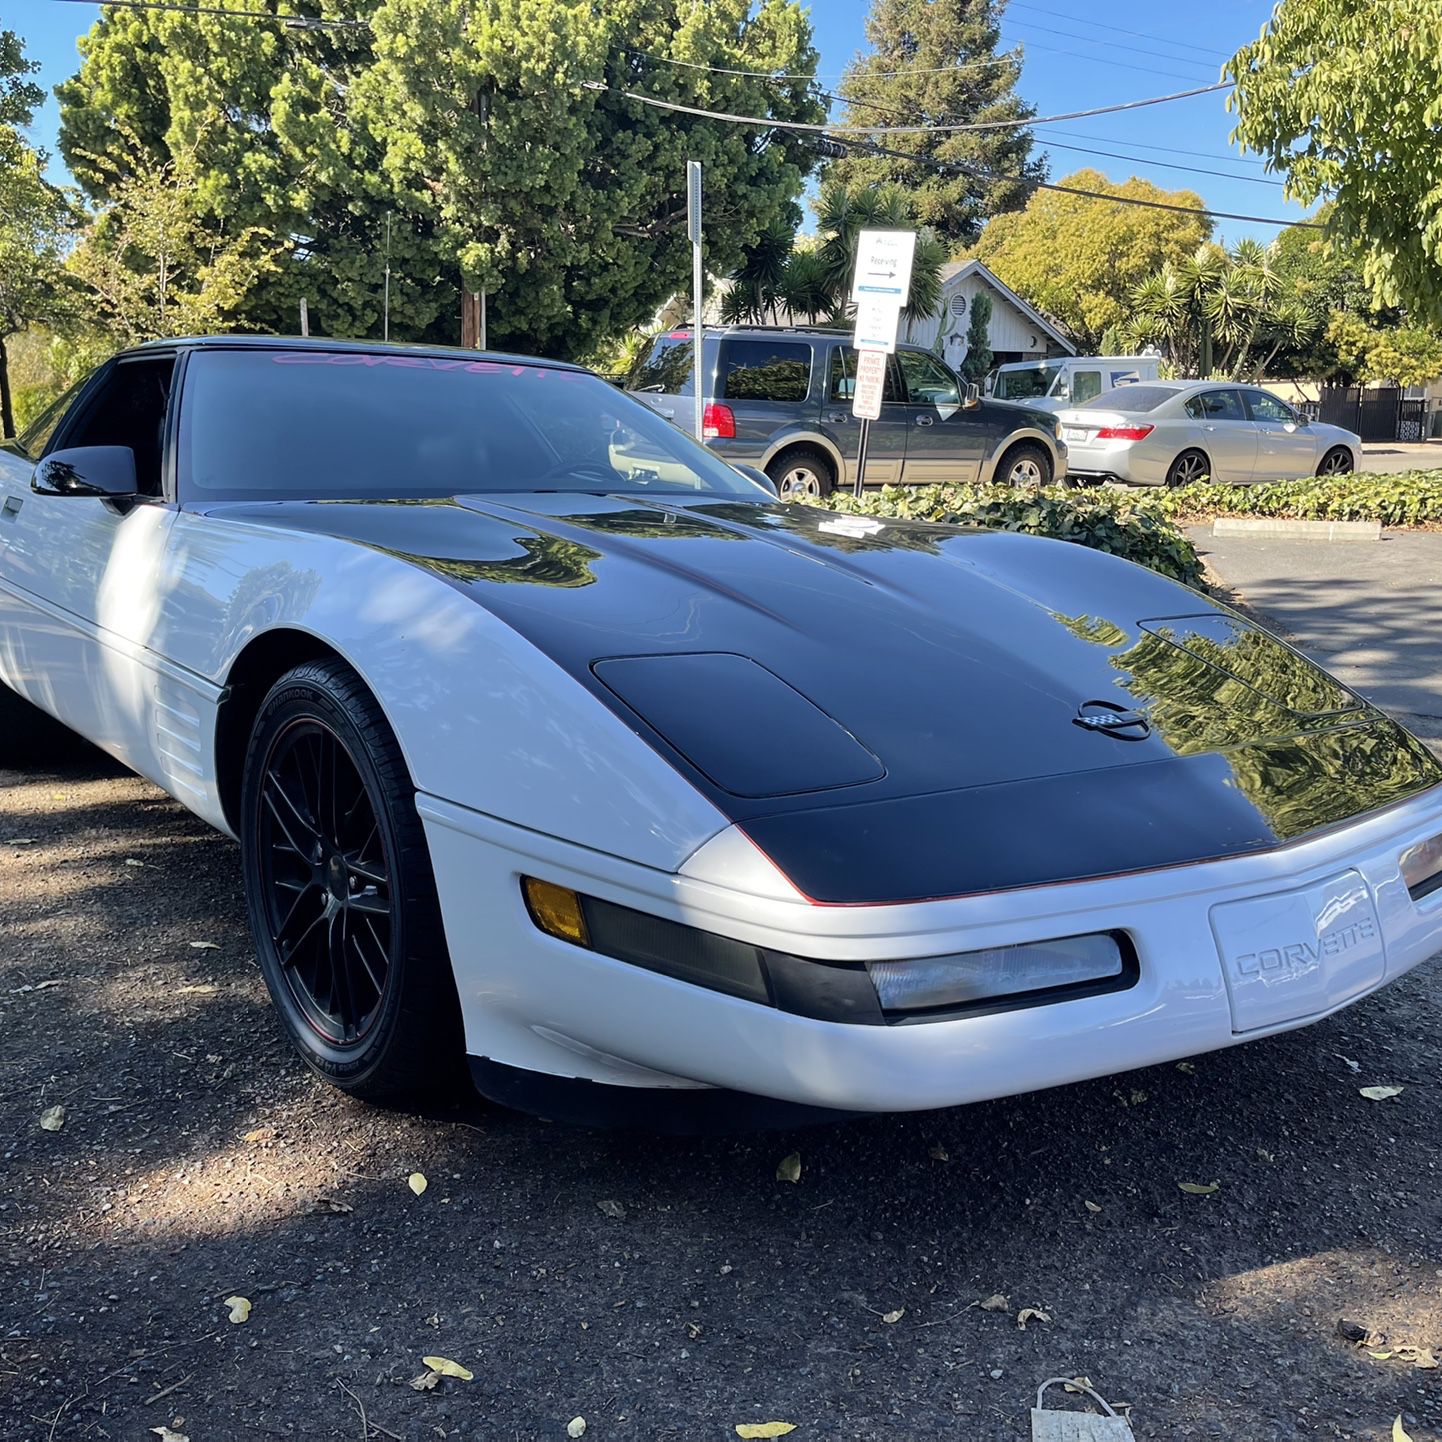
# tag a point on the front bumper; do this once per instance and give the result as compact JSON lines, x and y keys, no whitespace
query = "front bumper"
{"x":542,"y":1005}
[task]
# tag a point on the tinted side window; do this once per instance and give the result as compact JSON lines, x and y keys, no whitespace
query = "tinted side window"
{"x":761,"y":370}
{"x":1265,"y":407}
{"x":666,"y":367}
{"x":927,"y":383}
{"x":1216,"y":406}
{"x":1085,"y":385}
{"x":843,"y":377}
{"x":129,"y":410}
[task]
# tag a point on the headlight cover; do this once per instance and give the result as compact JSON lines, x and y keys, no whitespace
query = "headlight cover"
{"x":969,"y":978}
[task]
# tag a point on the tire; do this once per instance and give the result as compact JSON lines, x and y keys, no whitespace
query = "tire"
{"x":1024,"y":465}
{"x":340,"y":893}
{"x":1188,"y":468}
{"x":802,"y":473}
{"x":1337,"y":462}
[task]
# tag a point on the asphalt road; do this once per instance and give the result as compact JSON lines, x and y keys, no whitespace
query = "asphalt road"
{"x":664,"y":1290}
{"x":1393,"y":456}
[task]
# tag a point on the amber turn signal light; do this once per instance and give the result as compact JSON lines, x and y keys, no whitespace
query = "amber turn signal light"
{"x":556,"y":910}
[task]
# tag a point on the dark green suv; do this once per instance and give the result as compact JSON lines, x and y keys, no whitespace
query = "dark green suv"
{"x":780,"y":399}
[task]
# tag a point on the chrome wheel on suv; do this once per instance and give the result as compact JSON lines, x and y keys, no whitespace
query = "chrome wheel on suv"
{"x":801,"y":475}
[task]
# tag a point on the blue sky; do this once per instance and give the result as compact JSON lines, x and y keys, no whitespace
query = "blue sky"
{"x":1077,"y":56}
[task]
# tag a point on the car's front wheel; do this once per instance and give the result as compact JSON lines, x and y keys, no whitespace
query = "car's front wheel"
{"x":1025,"y":465}
{"x":339,"y":889}
{"x":1337,"y":462}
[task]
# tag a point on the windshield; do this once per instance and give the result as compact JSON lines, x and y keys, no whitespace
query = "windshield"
{"x":1025,"y":384}
{"x":273,"y":425}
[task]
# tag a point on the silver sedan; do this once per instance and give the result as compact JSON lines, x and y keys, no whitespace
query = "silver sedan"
{"x":1169,"y":433}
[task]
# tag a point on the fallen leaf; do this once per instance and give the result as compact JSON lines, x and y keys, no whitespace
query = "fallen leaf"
{"x":260,"y":1134}
{"x":446,"y":1368}
{"x":895,"y":1316}
{"x":994,"y":1303}
{"x":52,"y":1119}
{"x":1380,"y":1356}
{"x":203,"y":989}
{"x":239,"y":1309}
{"x":1199,"y":1189}
{"x":1077,"y":1384}
{"x":1031,"y":1314}
{"x":1348,"y":1062}
{"x":1420,"y":1356}
{"x":167,"y":1435}
{"x":611,"y":1208}
{"x":131,"y":861}
{"x":764,"y":1429}
{"x":1400,"y":1433}
{"x":1380,"y":1094}
{"x":417,"y":1182}
{"x":1091,"y":1206}
{"x":940,"y":1153}
{"x":206,"y":945}
{"x":576,"y":1427}
{"x":330,"y":1204}
{"x":1186,"y":1066}
{"x":426,"y":1381}
{"x":788,"y":1169}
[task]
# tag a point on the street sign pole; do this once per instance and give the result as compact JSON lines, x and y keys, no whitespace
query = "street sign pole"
{"x":693,"y":229}
{"x":861,"y":456}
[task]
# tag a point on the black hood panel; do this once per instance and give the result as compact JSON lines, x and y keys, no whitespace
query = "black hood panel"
{"x":955,"y":664}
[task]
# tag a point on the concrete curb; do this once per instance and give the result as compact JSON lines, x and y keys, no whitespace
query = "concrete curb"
{"x":1298,"y":530}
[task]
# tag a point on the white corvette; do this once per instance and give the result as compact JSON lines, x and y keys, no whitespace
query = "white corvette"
{"x":554,"y":743}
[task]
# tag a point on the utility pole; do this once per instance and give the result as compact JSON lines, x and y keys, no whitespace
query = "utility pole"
{"x":693,"y":229}
{"x":386,"y":322}
{"x":304,"y":317}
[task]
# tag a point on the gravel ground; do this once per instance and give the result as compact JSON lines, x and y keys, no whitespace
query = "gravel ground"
{"x":662,"y":1289}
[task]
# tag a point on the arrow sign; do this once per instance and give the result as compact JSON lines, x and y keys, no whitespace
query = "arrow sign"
{"x":883,"y":265}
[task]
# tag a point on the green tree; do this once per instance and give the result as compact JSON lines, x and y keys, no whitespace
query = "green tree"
{"x":977,"y":360}
{"x":566,"y":204}
{"x":1345,"y":98}
{"x":35,"y":219}
{"x":153,"y":264}
{"x":930,"y":64}
{"x":1079,"y":260}
{"x":1400,"y":354}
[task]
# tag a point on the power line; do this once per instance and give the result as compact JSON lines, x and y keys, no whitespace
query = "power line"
{"x":1101,"y":60}
{"x":950,"y":127}
{"x":1165,"y":164}
{"x":1116,"y":29}
{"x":297,"y":22}
{"x":955,"y":167}
{"x":1165,"y":149}
{"x":1008,"y":59}
{"x":1092,"y":40}
{"x":979,"y":173}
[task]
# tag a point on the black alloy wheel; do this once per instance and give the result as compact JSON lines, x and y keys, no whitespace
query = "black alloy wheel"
{"x":339,"y":888}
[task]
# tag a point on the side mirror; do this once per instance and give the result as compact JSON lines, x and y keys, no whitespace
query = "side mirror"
{"x":972,"y":398}
{"x":87,"y":471}
{"x":752,"y":473}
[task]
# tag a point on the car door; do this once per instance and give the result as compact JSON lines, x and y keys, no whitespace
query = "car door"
{"x":887,"y":439}
{"x":83,"y":576}
{"x":944,"y":443}
{"x":1286,"y":447}
{"x":1226,"y":433}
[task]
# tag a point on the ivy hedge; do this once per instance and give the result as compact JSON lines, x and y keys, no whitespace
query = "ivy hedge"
{"x":1107,"y":520}
{"x":1409,"y":498}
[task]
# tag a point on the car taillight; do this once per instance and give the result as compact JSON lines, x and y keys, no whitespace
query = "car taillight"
{"x":718,"y":423}
{"x":1124,"y":433}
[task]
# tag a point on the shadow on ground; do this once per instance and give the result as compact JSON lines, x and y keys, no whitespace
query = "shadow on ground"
{"x":198,"y":1160}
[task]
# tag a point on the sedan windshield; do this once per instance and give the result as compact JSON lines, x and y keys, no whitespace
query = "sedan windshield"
{"x":275,"y":425}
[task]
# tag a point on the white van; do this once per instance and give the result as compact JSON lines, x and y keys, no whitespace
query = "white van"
{"x":1069,"y":380}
